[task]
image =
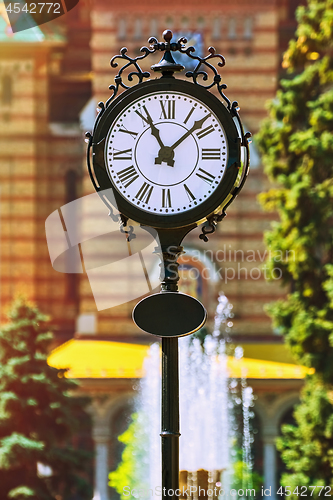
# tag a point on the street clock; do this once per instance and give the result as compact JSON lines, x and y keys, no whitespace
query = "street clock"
{"x":173,"y":154}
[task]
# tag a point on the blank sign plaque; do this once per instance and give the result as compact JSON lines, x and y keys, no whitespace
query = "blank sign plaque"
{"x":169,"y":314}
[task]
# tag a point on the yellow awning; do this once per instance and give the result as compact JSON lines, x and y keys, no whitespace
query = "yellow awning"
{"x":257,"y":368}
{"x":99,"y":359}
{"x":267,"y":352}
{"x":106,"y":359}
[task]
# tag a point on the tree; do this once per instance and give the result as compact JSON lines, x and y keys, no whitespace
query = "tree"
{"x":297,"y":146}
{"x":37,"y":415}
{"x":133,"y":469}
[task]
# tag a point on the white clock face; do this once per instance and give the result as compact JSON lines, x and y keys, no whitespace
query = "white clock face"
{"x":166,"y":153}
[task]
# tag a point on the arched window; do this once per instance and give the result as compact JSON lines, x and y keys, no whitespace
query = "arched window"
{"x":216,"y":31}
{"x":185,"y":23}
{"x":169,"y":22}
{"x":138,"y":28}
{"x":232,"y":33}
{"x":122,"y":29}
{"x":248,"y":28}
{"x":200,"y":23}
{"x":153,"y":31}
{"x":6,"y":90}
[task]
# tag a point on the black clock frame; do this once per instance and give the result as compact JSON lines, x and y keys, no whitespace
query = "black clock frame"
{"x":197,"y":214}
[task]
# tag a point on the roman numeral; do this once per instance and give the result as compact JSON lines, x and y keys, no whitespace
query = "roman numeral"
{"x":168,"y":109}
{"x":206,"y":176}
{"x":166,"y":198}
{"x":205,"y":131}
{"x":144,"y":192}
{"x":145,"y":119}
{"x":189,"y":115}
{"x":126,"y":131}
{"x":190,"y":195}
{"x":122,"y":155}
{"x":127,"y":176}
{"x":211,"y":154}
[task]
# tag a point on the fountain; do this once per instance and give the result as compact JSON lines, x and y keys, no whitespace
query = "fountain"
{"x":208,"y":425}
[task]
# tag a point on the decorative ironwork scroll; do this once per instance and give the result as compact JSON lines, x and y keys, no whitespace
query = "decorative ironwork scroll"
{"x":137,"y":75}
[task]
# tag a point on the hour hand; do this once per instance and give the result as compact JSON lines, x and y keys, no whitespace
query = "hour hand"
{"x":165,"y":153}
{"x":156,"y":133}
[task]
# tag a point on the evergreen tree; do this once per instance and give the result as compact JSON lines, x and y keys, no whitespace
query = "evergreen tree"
{"x":297,"y":146}
{"x":37,"y":415}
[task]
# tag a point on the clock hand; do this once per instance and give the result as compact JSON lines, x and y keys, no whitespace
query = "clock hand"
{"x":167,"y":153}
{"x":154,"y":131}
{"x":197,"y":124}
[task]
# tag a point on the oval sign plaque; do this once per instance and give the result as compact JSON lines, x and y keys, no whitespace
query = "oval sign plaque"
{"x":169,"y":314}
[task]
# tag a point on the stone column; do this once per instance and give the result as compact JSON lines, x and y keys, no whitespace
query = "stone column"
{"x":102,"y":410}
{"x":270,"y":466}
{"x":99,"y":411}
{"x":101,"y":466}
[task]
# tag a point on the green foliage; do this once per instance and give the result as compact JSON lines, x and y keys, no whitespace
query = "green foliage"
{"x":243,"y":477}
{"x":133,"y":467}
{"x":307,"y":449}
{"x":37,"y":414}
{"x":297,"y":146}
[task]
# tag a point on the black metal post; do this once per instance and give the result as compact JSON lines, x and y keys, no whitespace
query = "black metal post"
{"x":170,"y":385}
{"x":170,"y":417}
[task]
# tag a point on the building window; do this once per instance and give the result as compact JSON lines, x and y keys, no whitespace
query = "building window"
{"x":6,"y":90}
{"x":216,"y":32}
{"x":232,"y":33}
{"x":185,"y":23}
{"x":169,"y":23}
{"x":248,"y":28}
{"x":153,"y":27}
{"x":122,"y":29}
{"x":138,"y":29}
{"x":200,"y":23}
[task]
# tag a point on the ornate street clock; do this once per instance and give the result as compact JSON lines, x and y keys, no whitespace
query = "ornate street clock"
{"x":173,"y":154}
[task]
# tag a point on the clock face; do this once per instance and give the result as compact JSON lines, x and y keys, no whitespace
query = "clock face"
{"x":166,"y":153}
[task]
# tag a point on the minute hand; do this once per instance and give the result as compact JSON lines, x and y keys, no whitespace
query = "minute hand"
{"x":197,"y":124}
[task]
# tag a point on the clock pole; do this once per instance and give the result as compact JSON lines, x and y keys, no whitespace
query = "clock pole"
{"x":170,"y":417}
{"x":170,"y":314}
{"x":170,"y":384}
